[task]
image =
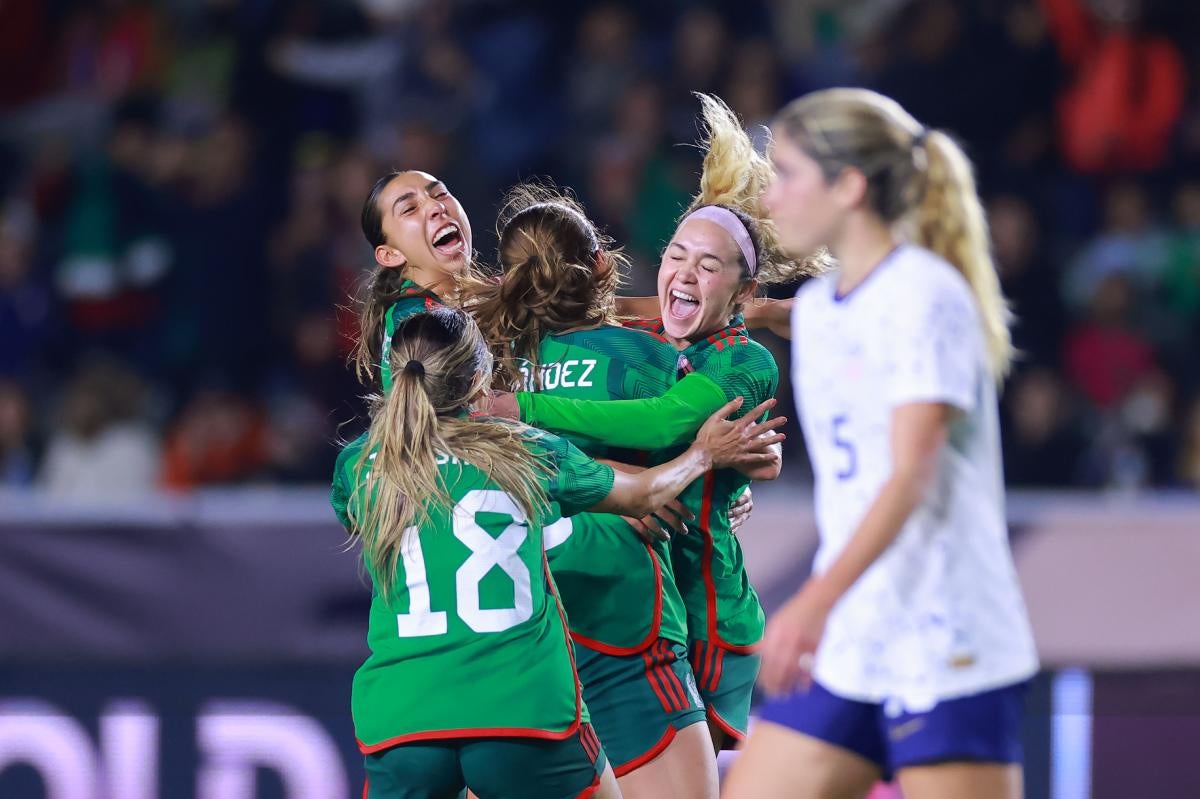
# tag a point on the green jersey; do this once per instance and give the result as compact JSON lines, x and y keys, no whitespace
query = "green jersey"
{"x":722,"y":606}
{"x":619,"y":592}
{"x":413,"y":300}
{"x":471,"y":639}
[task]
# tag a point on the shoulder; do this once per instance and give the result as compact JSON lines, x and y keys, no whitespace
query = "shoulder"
{"x":350,"y":453}
{"x":733,"y":349}
{"x":922,"y":278}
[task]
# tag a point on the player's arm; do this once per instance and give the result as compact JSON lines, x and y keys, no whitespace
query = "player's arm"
{"x":653,"y":423}
{"x":774,"y":315}
{"x":760,"y":313}
{"x":719,"y":442}
{"x":639,"y":307}
{"x":919,"y":431}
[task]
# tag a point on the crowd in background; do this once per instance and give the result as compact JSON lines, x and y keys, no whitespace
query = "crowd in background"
{"x":180,"y":186}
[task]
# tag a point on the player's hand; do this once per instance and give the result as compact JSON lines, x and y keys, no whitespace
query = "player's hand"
{"x":658,"y":526}
{"x":791,"y":641}
{"x":740,"y":511}
{"x":501,"y":404}
{"x":731,"y":442}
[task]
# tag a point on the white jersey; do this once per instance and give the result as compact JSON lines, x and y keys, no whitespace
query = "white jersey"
{"x":940,"y":613}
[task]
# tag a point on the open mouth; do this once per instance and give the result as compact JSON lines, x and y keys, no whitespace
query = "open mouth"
{"x":683,"y":305}
{"x":448,"y":240}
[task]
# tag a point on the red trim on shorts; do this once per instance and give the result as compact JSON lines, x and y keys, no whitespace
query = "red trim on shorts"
{"x":655,"y":685}
{"x":591,"y":789}
{"x":502,"y":732}
{"x":718,"y":667}
{"x":655,"y":627}
{"x":734,"y":735}
{"x":653,"y":752}
{"x":591,"y":744}
{"x":670,"y":677}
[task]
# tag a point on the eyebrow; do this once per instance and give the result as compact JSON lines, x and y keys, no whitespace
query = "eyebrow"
{"x":408,"y":195}
{"x":703,"y":254}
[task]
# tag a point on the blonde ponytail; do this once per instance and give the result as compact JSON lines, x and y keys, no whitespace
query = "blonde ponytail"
{"x":440,"y":363}
{"x":950,"y":222}
{"x":917,"y":179}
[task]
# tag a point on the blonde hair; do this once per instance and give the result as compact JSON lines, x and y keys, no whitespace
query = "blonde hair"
{"x":441,"y":363}
{"x":550,"y":255}
{"x":734,"y":177}
{"x":917,"y":178}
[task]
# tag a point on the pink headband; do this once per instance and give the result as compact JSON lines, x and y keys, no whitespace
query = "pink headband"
{"x":730,"y":223}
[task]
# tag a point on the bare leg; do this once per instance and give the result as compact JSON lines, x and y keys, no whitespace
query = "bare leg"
{"x":780,"y":763}
{"x":686,"y":769}
{"x":950,"y":780}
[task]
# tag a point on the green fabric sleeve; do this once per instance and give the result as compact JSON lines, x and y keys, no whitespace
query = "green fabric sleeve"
{"x":656,"y":423}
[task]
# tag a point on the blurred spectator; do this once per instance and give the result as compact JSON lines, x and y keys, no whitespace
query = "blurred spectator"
{"x":1128,"y":90}
{"x":1042,"y":440}
{"x":1130,"y":246}
{"x":102,"y":447}
{"x":218,"y":439}
{"x":1188,"y":464}
{"x":1024,"y":272}
{"x":1105,"y":355}
{"x":24,"y":300}
{"x":16,"y":437}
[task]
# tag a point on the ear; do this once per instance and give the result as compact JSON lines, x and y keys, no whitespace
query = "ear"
{"x":389,"y":257}
{"x":850,"y":188}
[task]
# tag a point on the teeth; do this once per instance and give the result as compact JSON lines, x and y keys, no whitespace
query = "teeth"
{"x":679,"y":295}
{"x":445,"y":230}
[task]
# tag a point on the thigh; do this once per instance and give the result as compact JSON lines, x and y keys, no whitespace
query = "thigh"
{"x":686,"y":769}
{"x":414,"y":771}
{"x":983,"y":728}
{"x":726,"y":682}
{"x":846,"y":724}
{"x":952,"y":780}
{"x":638,"y":703}
{"x":777,"y":762}
{"x":529,"y":768}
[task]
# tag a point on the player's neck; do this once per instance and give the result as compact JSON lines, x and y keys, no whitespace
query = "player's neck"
{"x":864,"y":244}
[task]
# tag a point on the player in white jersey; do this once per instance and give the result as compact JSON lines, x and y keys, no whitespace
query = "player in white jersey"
{"x":908,"y":650}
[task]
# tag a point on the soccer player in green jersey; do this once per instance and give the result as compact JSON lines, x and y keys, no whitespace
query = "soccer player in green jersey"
{"x":552,"y":321}
{"x":722,"y":250}
{"x":471,"y":679}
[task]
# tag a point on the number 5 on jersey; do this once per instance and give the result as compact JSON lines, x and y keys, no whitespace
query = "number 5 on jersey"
{"x":486,"y":553}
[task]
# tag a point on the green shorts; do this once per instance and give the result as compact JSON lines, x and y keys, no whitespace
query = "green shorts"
{"x":493,"y":768}
{"x":726,"y":679}
{"x":638,"y":702}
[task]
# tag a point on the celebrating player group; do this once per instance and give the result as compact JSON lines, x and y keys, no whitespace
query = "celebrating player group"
{"x":548,"y":495}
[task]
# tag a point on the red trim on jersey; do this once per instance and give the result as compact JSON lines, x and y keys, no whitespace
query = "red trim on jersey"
{"x":655,"y":626}
{"x":733,"y":735}
{"x":652,"y":326}
{"x":653,"y":752}
{"x":591,"y":789}
{"x":366,"y":787}
{"x":501,"y":732}
{"x":710,"y":586}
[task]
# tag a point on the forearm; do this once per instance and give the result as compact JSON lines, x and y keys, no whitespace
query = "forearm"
{"x":639,"y":307}
{"x":768,"y":314}
{"x":885,"y":519}
{"x":640,"y":494}
{"x":656,"y":423}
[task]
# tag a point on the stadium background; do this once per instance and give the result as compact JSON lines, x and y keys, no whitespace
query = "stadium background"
{"x":180,"y":184}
